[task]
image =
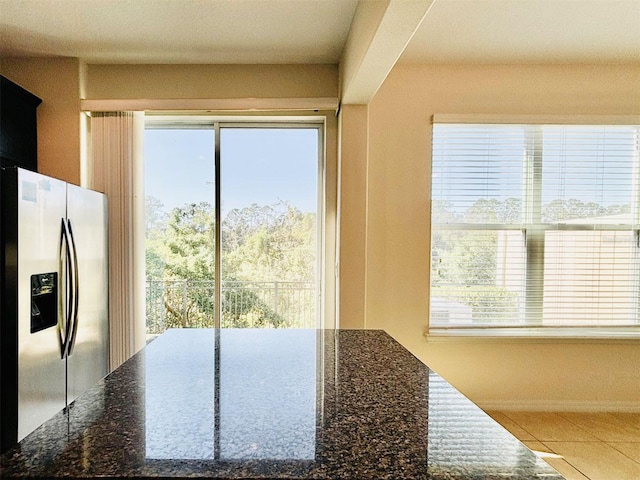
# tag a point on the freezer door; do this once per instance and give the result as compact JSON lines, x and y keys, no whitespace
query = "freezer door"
{"x":41,"y":370}
{"x":88,"y":353}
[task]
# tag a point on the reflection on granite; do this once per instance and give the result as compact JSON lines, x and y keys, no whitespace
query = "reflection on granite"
{"x":176,"y":386}
{"x":231,"y":404}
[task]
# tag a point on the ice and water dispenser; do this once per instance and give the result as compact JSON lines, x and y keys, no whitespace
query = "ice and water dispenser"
{"x":44,"y":301}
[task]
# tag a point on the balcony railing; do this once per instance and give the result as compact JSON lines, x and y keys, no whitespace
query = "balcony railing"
{"x":191,"y":304}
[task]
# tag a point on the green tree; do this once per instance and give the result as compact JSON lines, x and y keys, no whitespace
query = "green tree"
{"x":280,"y":247}
{"x":491,"y":210}
{"x":560,"y":210}
{"x":464,"y":262}
{"x":269,"y":243}
{"x":156,"y":220}
{"x":190,"y":238}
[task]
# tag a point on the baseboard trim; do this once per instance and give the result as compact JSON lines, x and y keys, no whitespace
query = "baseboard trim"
{"x":560,"y":406}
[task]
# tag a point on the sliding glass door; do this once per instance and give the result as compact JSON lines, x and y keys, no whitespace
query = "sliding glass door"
{"x":269,"y":198}
{"x":232,"y":224}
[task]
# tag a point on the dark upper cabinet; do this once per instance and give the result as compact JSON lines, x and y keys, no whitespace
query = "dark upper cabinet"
{"x":18,"y":138}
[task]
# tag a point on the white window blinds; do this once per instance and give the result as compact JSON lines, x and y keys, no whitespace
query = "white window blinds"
{"x":535,"y":225}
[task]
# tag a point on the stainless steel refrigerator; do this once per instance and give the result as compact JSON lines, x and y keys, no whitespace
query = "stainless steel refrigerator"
{"x":54,"y":293}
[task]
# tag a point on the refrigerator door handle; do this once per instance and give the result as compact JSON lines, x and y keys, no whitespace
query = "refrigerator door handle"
{"x":75,"y":291}
{"x":65,"y":298}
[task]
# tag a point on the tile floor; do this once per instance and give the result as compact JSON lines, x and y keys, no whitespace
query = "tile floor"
{"x":593,"y":446}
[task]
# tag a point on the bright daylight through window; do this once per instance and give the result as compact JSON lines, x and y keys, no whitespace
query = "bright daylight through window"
{"x":535,"y":226}
{"x":267,"y":212}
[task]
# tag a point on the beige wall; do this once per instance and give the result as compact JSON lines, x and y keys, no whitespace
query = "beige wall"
{"x":210,"y":81}
{"x":526,"y":374}
{"x":353,"y":214}
{"x":56,"y":82}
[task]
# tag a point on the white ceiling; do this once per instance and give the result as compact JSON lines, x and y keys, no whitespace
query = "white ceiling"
{"x":178,"y":31}
{"x":315,"y":31}
{"x":528,"y":31}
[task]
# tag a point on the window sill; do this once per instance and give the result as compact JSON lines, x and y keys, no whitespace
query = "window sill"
{"x":535,"y":335}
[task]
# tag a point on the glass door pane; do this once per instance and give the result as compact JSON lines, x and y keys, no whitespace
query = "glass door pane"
{"x":180,"y":224}
{"x":269,"y":195}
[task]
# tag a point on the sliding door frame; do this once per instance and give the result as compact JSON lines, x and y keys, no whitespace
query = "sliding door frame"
{"x":216,"y":124}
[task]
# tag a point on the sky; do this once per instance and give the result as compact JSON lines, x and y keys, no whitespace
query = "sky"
{"x":258,"y":165}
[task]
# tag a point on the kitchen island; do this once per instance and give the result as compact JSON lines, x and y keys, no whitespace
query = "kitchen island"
{"x":273,"y":404}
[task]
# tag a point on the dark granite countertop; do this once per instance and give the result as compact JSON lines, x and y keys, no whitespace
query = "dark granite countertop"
{"x":273,"y":404}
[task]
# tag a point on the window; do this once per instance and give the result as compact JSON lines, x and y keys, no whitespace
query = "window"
{"x":234,"y":223}
{"x":535,"y":226}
